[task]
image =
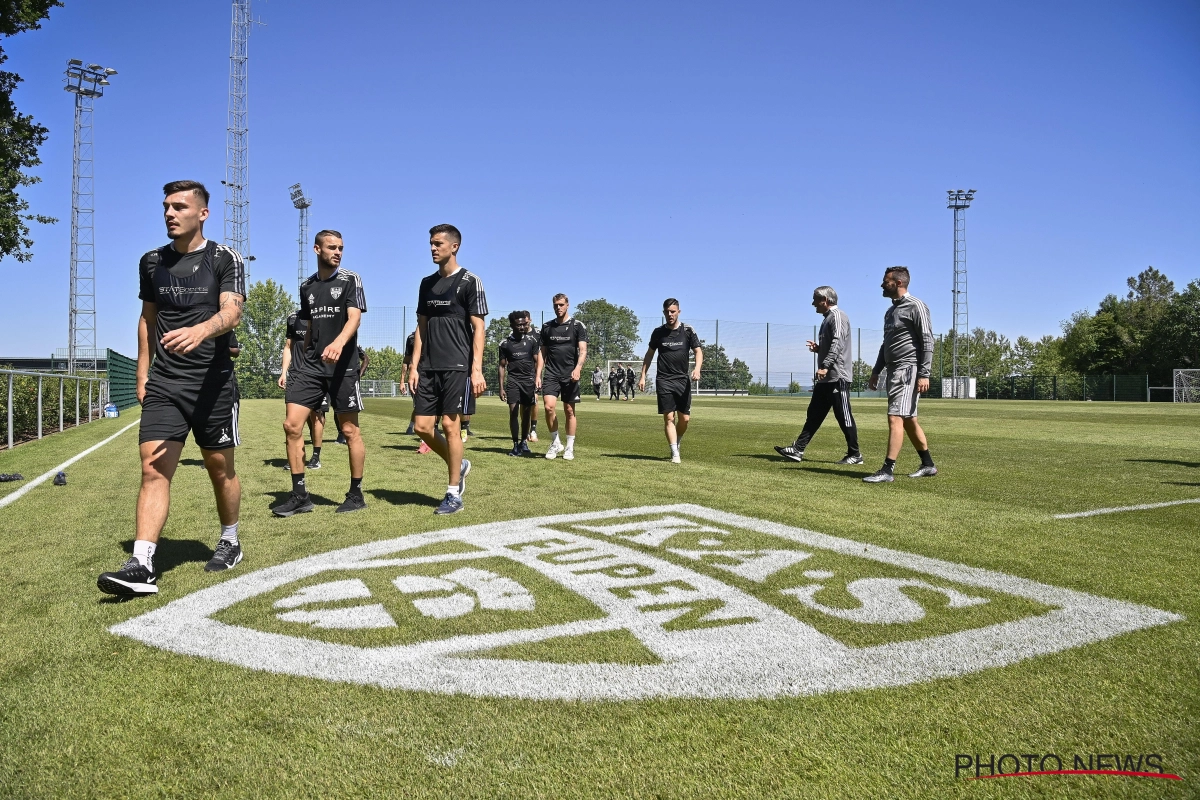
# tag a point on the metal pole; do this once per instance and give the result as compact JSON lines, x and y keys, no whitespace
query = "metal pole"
{"x":76,"y":402}
{"x":60,"y":404}
{"x":10,"y":414}
{"x":718,"y":336}
{"x":767,"y":377}
{"x":39,"y":406}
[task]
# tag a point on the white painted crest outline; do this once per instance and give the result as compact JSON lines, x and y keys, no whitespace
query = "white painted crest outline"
{"x":775,"y":655}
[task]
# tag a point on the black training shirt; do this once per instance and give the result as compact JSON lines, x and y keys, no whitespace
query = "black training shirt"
{"x":448,"y":305}
{"x":325,"y":305}
{"x":187,"y":289}
{"x":409,"y":344}
{"x":561,"y":342}
{"x":296,"y":328}
{"x":521,"y":355}
{"x":674,"y":348}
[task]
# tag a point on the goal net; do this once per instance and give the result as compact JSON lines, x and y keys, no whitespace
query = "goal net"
{"x":624,"y":366}
{"x":1187,"y":386}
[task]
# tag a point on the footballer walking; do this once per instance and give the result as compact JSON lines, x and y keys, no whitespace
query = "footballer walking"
{"x":564,"y":351}
{"x":831,"y":384}
{"x":447,"y":373}
{"x":907,"y":352}
{"x":332,"y":302}
{"x":675,"y":342}
{"x":192,"y":292}
{"x":520,"y":354}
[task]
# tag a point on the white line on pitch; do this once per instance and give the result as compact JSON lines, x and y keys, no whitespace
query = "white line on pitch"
{"x":1142,"y":507}
{"x":19,"y":493}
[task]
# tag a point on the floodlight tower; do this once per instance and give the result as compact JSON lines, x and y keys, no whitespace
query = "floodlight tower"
{"x":960,"y":201}
{"x":237,"y":136}
{"x":86,"y":83}
{"x":302,"y":202}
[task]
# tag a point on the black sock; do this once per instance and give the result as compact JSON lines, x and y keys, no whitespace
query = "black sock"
{"x":317,"y":453}
{"x":298,"y":486}
{"x":356,"y":486}
{"x":926,"y":459}
{"x":889,"y":465}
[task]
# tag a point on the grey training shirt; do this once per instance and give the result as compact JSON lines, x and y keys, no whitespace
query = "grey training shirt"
{"x":907,"y":337}
{"x":833,"y":346}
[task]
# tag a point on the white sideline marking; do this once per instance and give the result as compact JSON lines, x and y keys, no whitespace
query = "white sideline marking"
{"x":45,"y":476}
{"x":1142,"y":507}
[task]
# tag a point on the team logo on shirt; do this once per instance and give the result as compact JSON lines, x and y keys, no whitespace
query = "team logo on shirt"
{"x":697,"y":603}
{"x":312,"y":299}
{"x":335,"y":292}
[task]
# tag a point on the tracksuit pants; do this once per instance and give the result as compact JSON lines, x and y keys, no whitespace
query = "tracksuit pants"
{"x":828,"y":396}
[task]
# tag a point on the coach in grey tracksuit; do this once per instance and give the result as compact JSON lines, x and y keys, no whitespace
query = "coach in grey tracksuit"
{"x":907,"y":352}
{"x":831,"y":384}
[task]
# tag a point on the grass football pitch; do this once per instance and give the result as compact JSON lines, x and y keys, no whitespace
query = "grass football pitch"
{"x":796,"y":633}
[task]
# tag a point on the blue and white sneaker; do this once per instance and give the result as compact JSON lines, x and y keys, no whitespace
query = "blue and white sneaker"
{"x":450,"y":505}
{"x":131,"y":579}
{"x":462,"y":477}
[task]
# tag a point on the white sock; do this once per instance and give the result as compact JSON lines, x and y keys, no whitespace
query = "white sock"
{"x":229,"y":533}
{"x":674,"y":448}
{"x":555,"y":440}
{"x":570,"y":442}
{"x":143,"y":551}
{"x":452,"y":490}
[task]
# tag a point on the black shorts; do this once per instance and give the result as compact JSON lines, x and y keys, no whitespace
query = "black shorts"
{"x":564,"y":388}
{"x":440,"y":393}
{"x":520,"y":392}
{"x":674,"y":397}
{"x":209,"y":411}
{"x":315,"y":391}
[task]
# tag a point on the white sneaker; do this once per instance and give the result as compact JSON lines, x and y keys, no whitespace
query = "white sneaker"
{"x":533,"y":436}
{"x":569,"y":454}
{"x":553,"y":450}
{"x":675,"y":458}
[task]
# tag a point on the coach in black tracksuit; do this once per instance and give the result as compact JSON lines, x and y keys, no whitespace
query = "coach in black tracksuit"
{"x":831,"y":384}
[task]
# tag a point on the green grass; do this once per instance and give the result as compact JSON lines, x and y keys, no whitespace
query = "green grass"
{"x":85,"y":713}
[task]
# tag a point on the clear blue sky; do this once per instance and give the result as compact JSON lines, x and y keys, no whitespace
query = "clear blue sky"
{"x":733,"y":155}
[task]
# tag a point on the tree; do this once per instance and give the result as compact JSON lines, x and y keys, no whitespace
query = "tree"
{"x":612,"y":331}
{"x":498,"y":330}
{"x":386,"y":364}
{"x":20,"y":137}
{"x":261,"y":335}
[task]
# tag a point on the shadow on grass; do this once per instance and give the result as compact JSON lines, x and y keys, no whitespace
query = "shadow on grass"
{"x":501,"y":450}
{"x":764,"y":457}
{"x":278,"y":463}
{"x":1169,"y":462}
{"x":410,"y":447}
{"x":1180,"y":483}
{"x":398,"y":498}
{"x":841,"y":473}
{"x":191,"y":462}
{"x":170,"y":553}
{"x":635,"y":457}
{"x":318,"y":500}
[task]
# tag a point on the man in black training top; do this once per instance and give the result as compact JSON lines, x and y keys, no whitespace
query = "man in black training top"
{"x":629,"y":383}
{"x":831,"y":384}
{"x":614,"y":384}
{"x":405,"y":368}
{"x":332,"y":302}
{"x":293,"y":346}
{"x":519,"y":357}
{"x":192,"y":292}
{"x":907,"y":352}
{"x":448,"y":376}
{"x":675,"y":342}
{"x":564,"y":351}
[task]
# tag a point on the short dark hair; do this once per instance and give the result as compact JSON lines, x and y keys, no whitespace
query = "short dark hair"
{"x":327,"y":232}
{"x":670,"y":301}
{"x":516,"y":315}
{"x":901,"y":273}
{"x":447,"y":229}
{"x":560,"y":296}
{"x":175,"y":187}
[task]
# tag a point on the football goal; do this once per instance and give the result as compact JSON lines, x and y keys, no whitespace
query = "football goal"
{"x":1187,"y":386}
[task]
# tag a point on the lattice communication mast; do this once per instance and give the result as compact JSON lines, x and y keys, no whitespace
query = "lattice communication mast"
{"x":960,"y":201}
{"x":237,"y":137}
{"x":86,"y":83}
{"x":302,"y":202}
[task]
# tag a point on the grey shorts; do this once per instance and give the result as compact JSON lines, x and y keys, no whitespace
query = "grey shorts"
{"x":902,"y":392}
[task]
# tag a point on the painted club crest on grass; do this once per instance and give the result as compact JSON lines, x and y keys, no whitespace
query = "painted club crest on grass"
{"x":664,"y":601}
